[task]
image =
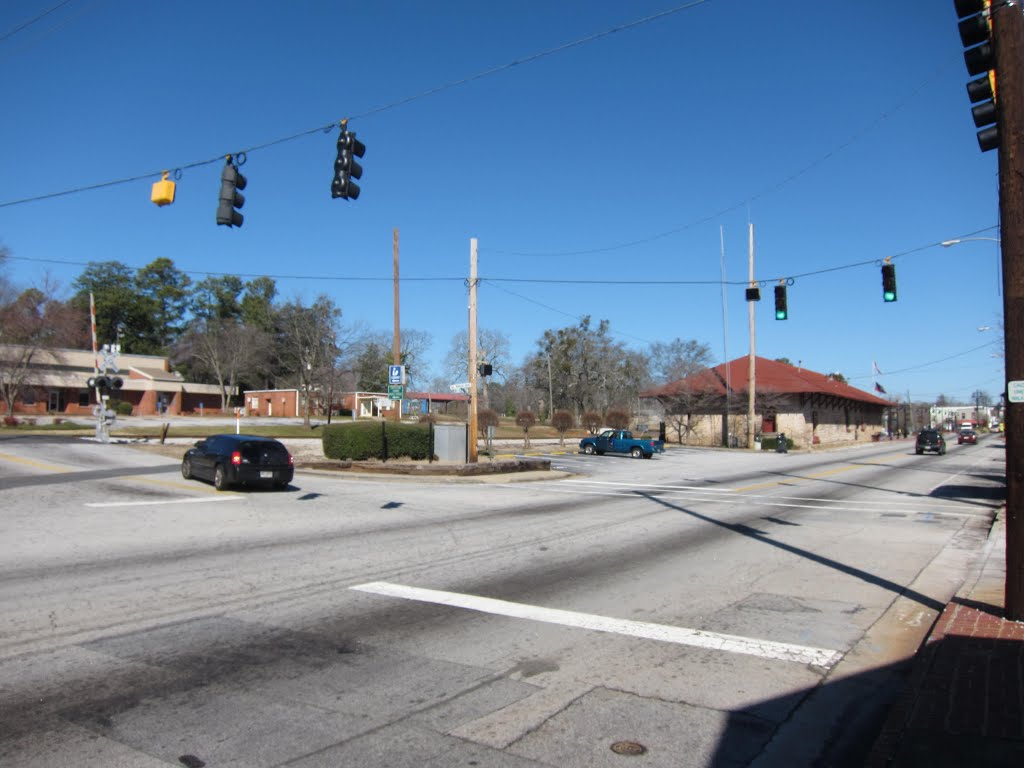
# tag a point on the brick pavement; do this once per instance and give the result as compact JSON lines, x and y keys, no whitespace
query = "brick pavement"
{"x":963,"y":704}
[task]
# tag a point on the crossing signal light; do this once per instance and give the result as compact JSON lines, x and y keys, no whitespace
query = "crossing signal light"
{"x":781,"y":307}
{"x":113,"y":383}
{"x":888,"y":282}
{"x":345,"y":166}
{"x":231,"y":198}
{"x":976,"y":34}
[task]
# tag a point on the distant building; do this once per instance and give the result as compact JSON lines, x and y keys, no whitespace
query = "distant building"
{"x":56,"y":381}
{"x":710,"y":407}
{"x":952,"y":416}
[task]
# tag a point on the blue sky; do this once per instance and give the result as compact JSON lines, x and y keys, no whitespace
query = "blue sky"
{"x":599,"y":179}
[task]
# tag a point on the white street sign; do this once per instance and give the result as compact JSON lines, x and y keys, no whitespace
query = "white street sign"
{"x":461,"y":387}
{"x":1015,"y":391}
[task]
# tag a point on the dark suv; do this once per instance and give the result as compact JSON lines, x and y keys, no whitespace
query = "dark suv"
{"x":239,"y":460}
{"x":930,"y":440}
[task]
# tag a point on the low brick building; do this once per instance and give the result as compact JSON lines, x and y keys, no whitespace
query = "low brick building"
{"x":710,"y":407}
{"x":56,"y":381}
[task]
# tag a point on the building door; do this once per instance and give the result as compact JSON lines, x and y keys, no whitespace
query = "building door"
{"x":768,"y":422}
{"x":56,"y":403}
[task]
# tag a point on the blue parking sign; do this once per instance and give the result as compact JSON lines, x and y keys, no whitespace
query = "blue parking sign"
{"x":396,"y":374}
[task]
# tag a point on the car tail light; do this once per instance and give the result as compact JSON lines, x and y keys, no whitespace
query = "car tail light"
{"x":236,"y":458}
{"x":291,"y":460}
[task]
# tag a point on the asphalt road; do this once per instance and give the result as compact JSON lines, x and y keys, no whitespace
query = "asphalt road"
{"x":706,"y":607}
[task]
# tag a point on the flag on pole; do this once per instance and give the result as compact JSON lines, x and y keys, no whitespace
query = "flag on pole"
{"x":879,"y":388}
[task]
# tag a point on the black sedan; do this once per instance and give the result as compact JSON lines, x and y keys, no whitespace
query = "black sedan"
{"x":228,"y":460}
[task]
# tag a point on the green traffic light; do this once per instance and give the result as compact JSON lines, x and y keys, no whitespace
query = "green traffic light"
{"x":781,"y":314}
{"x":889,"y":296}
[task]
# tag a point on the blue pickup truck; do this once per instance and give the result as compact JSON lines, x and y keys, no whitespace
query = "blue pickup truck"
{"x":621,"y":441}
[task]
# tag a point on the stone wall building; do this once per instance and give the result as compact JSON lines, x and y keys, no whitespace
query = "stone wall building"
{"x":710,"y":407}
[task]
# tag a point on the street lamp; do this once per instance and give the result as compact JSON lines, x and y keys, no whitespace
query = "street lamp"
{"x":999,"y":261}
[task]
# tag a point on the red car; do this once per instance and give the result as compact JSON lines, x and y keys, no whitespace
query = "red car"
{"x":967,"y":436}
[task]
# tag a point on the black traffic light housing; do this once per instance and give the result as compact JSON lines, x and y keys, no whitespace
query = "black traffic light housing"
{"x":105,"y":382}
{"x":753,"y":294}
{"x":888,"y":282}
{"x":231,"y":199}
{"x":345,"y":167}
{"x":976,"y":35}
{"x":781,"y":306}
{"x":485,"y":369}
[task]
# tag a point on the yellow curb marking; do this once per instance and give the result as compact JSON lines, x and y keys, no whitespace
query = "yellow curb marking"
{"x":33,"y":463}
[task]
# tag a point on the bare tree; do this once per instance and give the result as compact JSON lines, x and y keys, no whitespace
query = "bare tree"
{"x":224,"y":349}
{"x":308,"y":343}
{"x":491,"y":347}
{"x":592,"y":421}
{"x":562,"y":421}
{"x":525,"y":420}
{"x":30,"y":323}
{"x":678,"y":359}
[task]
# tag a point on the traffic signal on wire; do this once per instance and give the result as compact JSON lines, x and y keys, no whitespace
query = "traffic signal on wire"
{"x":231,"y":199}
{"x":781,"y":306}
{"x":345,"y":166}
{"x":976,"y":35}
{"x":888,"y":282}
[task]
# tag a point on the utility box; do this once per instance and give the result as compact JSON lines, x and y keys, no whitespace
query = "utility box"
{"x":451,"y":443}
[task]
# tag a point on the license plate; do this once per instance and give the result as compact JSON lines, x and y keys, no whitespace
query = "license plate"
{"x":265,"y":474}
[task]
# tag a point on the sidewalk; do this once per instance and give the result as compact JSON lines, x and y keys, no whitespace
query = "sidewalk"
{"x":963,"y":704}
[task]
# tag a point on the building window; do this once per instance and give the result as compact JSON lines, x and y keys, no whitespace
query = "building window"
{"x":83,"y":397}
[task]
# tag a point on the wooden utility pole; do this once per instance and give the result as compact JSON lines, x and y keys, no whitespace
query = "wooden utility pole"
{"x":751,"y":378}
{"x":398,"y":332}
{"x":1008,"y":45}
{"x":473,"y":456}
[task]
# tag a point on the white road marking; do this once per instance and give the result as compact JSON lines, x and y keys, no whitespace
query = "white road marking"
{"x":157,"y":503}
{"x":801,"y":654}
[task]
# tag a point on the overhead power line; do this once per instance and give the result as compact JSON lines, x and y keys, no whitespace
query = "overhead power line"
{"x":373,"y":111}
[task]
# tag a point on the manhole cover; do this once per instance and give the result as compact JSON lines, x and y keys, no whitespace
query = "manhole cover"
{"x":628,"y":748}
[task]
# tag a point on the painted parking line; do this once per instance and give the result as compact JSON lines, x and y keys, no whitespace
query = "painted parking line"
{"x":767,"y":649}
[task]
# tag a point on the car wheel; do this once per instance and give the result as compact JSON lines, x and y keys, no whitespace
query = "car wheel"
{"x":220,"y":478}
{"x":186,"y":469}
{"x":942,"y":451}
{"x":589,"y":450}
{"x":637,"y":453}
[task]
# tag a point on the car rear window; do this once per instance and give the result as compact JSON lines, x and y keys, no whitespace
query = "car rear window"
{"x":264,"y":452}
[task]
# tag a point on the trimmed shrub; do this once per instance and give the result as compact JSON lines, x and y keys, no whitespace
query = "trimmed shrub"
{"x":407,"y":440}
{"x":357,"y":441}
{"x":617,"y":418}
{"x":362,"y":440}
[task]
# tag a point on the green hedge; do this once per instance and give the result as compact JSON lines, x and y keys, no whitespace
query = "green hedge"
{"x":362,"y":440}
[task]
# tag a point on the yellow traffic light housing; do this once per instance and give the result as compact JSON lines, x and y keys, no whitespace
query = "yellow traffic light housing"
{"x":163,"y":191}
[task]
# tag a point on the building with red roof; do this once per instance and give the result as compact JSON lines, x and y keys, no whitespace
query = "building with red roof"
{"x":710,"y":407}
